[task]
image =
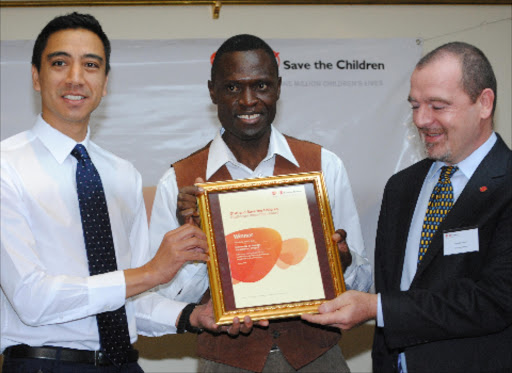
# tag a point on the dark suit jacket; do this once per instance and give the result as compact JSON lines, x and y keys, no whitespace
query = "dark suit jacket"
{"x":457,"y":314}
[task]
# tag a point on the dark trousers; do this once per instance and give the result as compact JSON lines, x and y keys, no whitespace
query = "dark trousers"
{"x":27,"y":365}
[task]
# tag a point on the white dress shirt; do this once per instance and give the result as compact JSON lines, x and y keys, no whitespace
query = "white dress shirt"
{"x":192,"y":280}
{"x":47,"y":295}
{"x":459,"y":179}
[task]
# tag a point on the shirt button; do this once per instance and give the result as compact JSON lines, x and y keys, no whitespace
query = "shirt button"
{"x":276,"y":334}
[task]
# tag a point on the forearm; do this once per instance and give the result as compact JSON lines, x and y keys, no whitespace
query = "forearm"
{"x":139,"y":280}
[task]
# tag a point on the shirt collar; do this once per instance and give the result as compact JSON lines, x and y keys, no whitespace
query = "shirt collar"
{"x":220,"y":154}
{"x":59,"y":145}
{"x":469,"y":165}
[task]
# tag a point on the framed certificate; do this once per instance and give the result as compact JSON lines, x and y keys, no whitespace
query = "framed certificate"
{"x":271,"y":248}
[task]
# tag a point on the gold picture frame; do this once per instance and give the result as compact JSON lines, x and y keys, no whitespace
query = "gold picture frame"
{"x":248,"y":224}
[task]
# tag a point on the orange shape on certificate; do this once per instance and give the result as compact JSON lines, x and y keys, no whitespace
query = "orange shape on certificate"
{"x":281,"y":264}
{"x":293,"y":252}
{"x":253,"y":253}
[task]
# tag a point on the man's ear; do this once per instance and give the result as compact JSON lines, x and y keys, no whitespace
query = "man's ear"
{"x":35,"y":79}
{"x":212,"y":92}
{"x":278,"y":88}
{"x":105,"y":87}
{"x":486,"y":100}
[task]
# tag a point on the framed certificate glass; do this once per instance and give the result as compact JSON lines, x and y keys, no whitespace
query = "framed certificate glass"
{"x":271,"y":248}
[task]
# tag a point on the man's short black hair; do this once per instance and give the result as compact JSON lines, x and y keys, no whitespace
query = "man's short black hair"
{"x":242,"y":43}
{"x":70,"y":21}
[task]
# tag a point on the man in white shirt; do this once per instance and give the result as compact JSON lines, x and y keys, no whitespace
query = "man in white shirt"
{"x":245,"y":86}
{"x":50,"y":299}
{"x":444,"y":298}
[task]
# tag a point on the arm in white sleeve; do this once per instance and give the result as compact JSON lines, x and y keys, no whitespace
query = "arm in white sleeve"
{"x":41,"y":296}
{"x":358,"y":276}
{"x":191,"y":281}
{"x":156,"y":315}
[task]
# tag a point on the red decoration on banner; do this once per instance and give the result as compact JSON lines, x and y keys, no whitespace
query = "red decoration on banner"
{"x":277,"y":58}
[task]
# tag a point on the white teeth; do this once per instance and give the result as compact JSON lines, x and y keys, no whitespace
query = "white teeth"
{"x":251,"y":116}
{"x":74,"y":98}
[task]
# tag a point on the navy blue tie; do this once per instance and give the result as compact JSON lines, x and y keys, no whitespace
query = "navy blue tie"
{"x":112,"y":326}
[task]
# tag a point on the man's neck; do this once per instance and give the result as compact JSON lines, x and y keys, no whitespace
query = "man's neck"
{"x":77,"y":131}
{"x":248,"y":152}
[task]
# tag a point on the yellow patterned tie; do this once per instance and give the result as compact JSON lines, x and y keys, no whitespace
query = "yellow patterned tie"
{"x":440,"y":203}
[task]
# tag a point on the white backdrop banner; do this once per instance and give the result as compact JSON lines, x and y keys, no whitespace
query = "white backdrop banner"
{"x":349,"y":95}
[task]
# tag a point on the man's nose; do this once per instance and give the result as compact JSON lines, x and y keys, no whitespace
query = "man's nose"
{"x":75,"y":74}
{"x":422,"y":116}
{"x":248,"y":97}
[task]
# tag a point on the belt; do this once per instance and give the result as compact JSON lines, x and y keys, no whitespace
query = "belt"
{"x":274,"y":348}
{"x":97,"y":358}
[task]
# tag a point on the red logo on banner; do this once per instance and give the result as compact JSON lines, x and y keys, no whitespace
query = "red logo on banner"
{"x":277,"y":58}
{"x":276,"y":54}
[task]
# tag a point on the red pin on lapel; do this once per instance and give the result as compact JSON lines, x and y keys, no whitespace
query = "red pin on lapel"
{"x":483,"y":188}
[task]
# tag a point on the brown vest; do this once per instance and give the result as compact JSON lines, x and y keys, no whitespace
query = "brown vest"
{"x":299,"y":341}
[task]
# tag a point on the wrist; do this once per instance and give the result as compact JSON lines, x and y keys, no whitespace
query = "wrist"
{"x":152,"y":273}
{"x":138,"y":280}
{"x":184,"y":323}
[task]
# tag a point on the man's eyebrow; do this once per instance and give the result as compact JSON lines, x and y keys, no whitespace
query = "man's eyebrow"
{"x":94,"y":56}
{"x":57,"y":54}
{"x":439,"y":99}
{"x":430,"y":99}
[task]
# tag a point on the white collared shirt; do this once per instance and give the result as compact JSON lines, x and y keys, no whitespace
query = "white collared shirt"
{"x":47,"y":295}
{"x":192,"y":280}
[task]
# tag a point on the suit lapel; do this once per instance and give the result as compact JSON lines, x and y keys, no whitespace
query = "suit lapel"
{"x":403,"y":214}
{"x":478,"y":194}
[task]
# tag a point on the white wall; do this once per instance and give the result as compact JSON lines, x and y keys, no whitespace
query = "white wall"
{"x":487,"y":27}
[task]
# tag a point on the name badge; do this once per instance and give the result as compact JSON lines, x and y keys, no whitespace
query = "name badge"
{"x":459,"y":242}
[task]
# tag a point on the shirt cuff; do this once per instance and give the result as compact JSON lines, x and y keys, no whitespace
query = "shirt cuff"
{"x":358,"y":276}
{"x":380,"y":315}
{"x":157,"y":315}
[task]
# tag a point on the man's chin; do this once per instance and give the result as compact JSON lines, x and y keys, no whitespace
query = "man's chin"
{"x":441,"y":156}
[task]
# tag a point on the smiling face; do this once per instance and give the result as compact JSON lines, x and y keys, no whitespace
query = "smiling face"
{"x":450,"y":124}
{"x":245,"y":89}
{"x":71,"y":80}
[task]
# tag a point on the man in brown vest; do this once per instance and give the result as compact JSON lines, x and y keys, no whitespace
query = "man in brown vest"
{"x":245,"y":85}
